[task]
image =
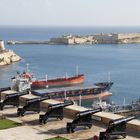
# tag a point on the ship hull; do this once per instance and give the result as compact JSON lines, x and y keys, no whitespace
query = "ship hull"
{"x":58,"y":82}
{"x":75,"y":92}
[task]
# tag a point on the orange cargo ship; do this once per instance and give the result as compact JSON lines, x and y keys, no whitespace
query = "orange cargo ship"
{"x":58,"y":82}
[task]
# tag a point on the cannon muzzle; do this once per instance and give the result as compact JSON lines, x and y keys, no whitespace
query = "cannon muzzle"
{"x":118,"y":121}
{"x":60,"y":105}
{"x":88,"y":112}
{"x":44,"y":98}
{"x":33,"y":100}
{"x":16,"y":94}
{"x":4,"y":89}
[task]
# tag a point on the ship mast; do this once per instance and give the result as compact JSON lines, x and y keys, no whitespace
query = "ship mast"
{"x":109,"y":79}
{"x":80,"y":100}
{"x":27,"y":67}
{"x":77,"y":71}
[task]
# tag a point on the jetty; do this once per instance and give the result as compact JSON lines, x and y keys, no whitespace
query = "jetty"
{"x":13,"y":42}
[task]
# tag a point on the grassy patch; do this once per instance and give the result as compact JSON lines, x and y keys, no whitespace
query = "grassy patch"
{"x":57,"y":138}
{"x":5,"y":124}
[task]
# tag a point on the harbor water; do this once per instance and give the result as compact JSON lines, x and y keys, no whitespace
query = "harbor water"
{"x":99,"y":63}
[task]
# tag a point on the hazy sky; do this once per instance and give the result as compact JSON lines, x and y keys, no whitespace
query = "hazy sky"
{"x":70,"y":12}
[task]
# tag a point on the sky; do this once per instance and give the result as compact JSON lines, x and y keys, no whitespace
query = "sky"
{"x":70,"y":12}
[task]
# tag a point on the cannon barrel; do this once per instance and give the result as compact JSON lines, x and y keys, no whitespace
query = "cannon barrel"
{"x":33,"y":100}
{"x":88,"y":112}
{"x":61,"y":105}
{"x":44,"y":98}
{"x":38,"y":99}
{"x":117,"y":121}
{"x":16,"y":94}
{"x":4,"y":89}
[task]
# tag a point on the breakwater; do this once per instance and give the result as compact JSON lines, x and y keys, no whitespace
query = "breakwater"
{"x":7,"y":56}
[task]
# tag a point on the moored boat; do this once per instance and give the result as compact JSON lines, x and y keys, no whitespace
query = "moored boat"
{"x":58,"y":82}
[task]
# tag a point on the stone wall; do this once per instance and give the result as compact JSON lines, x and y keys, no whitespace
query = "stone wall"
{"x":106,"y":38}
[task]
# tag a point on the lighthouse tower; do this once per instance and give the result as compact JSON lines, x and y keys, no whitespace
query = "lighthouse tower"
{"x":2,"y":48}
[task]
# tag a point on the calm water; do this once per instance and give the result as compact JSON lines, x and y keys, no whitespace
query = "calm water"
{"x":95,"y":61}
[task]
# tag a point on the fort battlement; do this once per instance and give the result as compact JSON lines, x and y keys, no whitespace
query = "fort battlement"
{"x":98,"y":38}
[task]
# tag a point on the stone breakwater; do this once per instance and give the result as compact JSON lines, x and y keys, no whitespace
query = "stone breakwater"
{"x":7,"y":56}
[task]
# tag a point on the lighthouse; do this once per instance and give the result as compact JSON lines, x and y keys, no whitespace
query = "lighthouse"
{"x":2,"y":48}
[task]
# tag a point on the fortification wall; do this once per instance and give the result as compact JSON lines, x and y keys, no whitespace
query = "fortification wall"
{"x":60,"y":40}
{"x":128,"y":35}
{"x":106,"y":38}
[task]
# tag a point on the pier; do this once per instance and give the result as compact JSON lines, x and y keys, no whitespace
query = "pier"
{"x":14,"y":42}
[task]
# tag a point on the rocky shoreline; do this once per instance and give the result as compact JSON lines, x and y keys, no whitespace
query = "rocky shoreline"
{"x":7,"y":56}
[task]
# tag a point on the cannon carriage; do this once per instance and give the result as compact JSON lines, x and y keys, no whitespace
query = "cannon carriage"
{"x":54,"y":111}
{"x":9,"y":97}
{"x":83,"y":118}
{"x":116,"y":128}
{"x":32,"y":103}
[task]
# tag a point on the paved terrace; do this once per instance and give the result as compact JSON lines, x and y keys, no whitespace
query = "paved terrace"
{"x":32,"y":130}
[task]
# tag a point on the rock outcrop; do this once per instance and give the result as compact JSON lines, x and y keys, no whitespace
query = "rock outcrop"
{"x":7,"y":56}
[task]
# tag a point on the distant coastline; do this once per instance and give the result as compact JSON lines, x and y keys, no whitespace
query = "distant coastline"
{"x":110,"y":38}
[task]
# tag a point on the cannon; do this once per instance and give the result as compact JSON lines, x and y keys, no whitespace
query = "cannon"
{"x":4,"y":89}
{"x":83,"y":118}
{"x":31,"y":105}
{"x":54,"y":111}
{"x":10,"y":99}
{"x":115,"y":128}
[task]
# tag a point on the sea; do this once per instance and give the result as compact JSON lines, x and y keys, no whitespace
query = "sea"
{"x":119,"y":63}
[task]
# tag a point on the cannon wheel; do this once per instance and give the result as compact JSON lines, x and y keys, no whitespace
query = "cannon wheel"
{"x":72,"y":130}
{"x":61,"y":118}
{"x":1,"y":107}
{"x":44,"y":119}
{"x":124,"y":135}
{"x":89,"y":126}
{"x":20,"y":113}
{"x":68,"y":129}
{"x":40,"y":120}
